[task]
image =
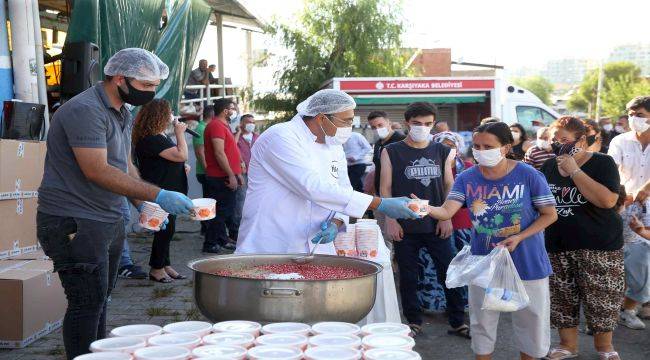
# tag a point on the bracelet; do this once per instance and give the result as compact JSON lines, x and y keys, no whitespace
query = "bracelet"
{"x":574,"y":173}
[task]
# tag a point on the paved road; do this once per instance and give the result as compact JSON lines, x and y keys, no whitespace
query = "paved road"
{"x":138,"y":301}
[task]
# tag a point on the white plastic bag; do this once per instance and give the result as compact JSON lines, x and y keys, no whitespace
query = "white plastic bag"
{"x":465,"y":267}
{"x":505,"y":291}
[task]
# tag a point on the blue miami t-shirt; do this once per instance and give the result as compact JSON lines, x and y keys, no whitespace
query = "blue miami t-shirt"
{"x":505,"y":207}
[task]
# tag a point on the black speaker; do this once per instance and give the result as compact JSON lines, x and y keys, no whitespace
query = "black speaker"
{"x":80,"y":67}
{"x":22,"y":121}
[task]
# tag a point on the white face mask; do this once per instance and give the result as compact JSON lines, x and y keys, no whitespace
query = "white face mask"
{"x":535,"y":128}
{"x":340,"y":137}
{"x":638,"y":124}
{"x":250,"y":127}
{"x":619,"y":129}
{"x":382,"y":132}
{"x":420,"y":133}
{"x":608,"y":127}
{"x":233,"y":116}
{"x":542,"y":144}
{"x":516,"y":135}
{"x":488,"y":158}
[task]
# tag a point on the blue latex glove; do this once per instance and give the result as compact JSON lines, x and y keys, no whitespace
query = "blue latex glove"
{"x":174,"y":203}
{"x":327,"y":233}
{"x":397,"y":208}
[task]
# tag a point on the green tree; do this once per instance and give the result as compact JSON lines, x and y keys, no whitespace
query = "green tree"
{"x":617,"y":76}
{"x":336,"y":38}
{"x":620,"y":92}
{"x":538,"y":85}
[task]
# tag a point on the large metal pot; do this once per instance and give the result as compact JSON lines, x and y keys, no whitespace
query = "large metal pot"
{"x":221,"y":298}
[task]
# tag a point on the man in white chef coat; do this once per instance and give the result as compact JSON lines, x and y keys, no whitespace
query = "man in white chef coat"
{"x":298,"y":176}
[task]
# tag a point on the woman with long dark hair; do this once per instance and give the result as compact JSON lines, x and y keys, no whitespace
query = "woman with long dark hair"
{"x":510,"y":205}
{"x":520,"y":142}
{"x":161,"y":162}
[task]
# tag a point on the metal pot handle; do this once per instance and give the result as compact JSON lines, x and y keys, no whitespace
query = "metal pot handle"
{"x":281,"y":292}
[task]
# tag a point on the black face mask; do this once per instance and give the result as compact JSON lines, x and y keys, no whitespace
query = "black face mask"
{"x":564,"y":149}
{"x":135,"y":97}
{"x":591,"y":139}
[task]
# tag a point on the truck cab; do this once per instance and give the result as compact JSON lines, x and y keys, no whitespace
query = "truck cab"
{"x":521,"y":106}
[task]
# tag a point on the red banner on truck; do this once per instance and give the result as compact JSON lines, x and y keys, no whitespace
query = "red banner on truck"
{"x":415,"y":85}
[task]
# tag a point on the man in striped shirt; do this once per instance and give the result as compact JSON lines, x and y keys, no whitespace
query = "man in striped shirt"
{"x":537,"y":155}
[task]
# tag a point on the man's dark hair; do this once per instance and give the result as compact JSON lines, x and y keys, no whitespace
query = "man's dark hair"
{"x":440,"y":122}
{"x":246,"y":116}
{"x":376,"y":114}
{"x":212,"y":65}
{"x":498,"y":129}
{"x":220,"y":105}
{"x":108,"y":77}
{"x":623,"y":117}
{"x":639,"y":102}
{"x":417,"y":109}
{"x":208,"y":112}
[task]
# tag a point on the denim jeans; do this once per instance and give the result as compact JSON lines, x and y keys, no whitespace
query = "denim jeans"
{"x":406,"y":255}
{"x":85,"y":255}
{"x":239,"y":201}
{"x":224,"y":223}
{"x":125,"y":258}
{"x":355,"y":173}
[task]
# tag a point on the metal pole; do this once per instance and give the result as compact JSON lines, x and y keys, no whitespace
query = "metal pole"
{"x":6,"y":77}
{"x":222,"y":75}
{"x":40,"y":66}
{"x":599,"y":89}
{"x":22,"y":52}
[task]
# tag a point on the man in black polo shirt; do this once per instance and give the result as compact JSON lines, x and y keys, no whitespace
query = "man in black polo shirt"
{"x":423,"y":168}
{"x":381,"y":124}
{"x":88,"y":171}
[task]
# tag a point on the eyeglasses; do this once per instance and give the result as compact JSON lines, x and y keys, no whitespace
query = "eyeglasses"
{"x":331,"y":118}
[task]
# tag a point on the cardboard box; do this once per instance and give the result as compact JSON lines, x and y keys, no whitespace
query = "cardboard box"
{"x":22,"y":165}
{"x":19,"y":235}
{"x":32,"y":301}
{"x":33,"y":253}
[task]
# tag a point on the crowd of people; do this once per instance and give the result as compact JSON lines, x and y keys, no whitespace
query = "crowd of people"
{"x":569,"y":201}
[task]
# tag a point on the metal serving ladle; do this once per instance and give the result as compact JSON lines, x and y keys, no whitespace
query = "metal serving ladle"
{"x":310,"y":257}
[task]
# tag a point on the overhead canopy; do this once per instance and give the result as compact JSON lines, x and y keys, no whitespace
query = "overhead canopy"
{"x":235,"y":14}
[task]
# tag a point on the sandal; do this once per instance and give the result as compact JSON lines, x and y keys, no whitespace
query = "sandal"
{"x":461,"y":331}
{"x":612,"y":355}
{"x":415,"y":330}
{"x":559,"y":354}
{"x":177,"y":276}
{"x":164,"y":279}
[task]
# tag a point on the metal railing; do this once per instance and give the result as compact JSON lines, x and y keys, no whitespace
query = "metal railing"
{"x":211,"y":94}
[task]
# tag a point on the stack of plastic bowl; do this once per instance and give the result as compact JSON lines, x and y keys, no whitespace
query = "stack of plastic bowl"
{"x":241,"y":340}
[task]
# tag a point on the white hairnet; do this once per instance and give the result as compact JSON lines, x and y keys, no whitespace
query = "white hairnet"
{"x":328,"y":101}
{"x":136,"y":63}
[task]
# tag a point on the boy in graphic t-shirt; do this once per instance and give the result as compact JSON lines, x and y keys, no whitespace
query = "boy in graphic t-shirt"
{"x":421,"y":167}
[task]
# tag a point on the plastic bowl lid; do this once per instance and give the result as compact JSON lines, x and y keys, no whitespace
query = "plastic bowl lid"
{"x":274,"y":352}
{"x":109,"y":355}
{"x":333,"y":327}
{"x":237,"y":326}
{"x":219,"y":352}
{"x":127,"y":344}
{"x":139,"y":330}
{"x":286,"y":328}
{"x":388,"y":341}
{"x":284,"y":340}
{"x":333,"y":340}
{"x":188,"y":327}
{"x":237,"y":339}
{"x":181,"y":339}
{"x":332,"y":353}
{"x":391,"y":354}
{"x":162,"y":353}
{"x":385,"y":328}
